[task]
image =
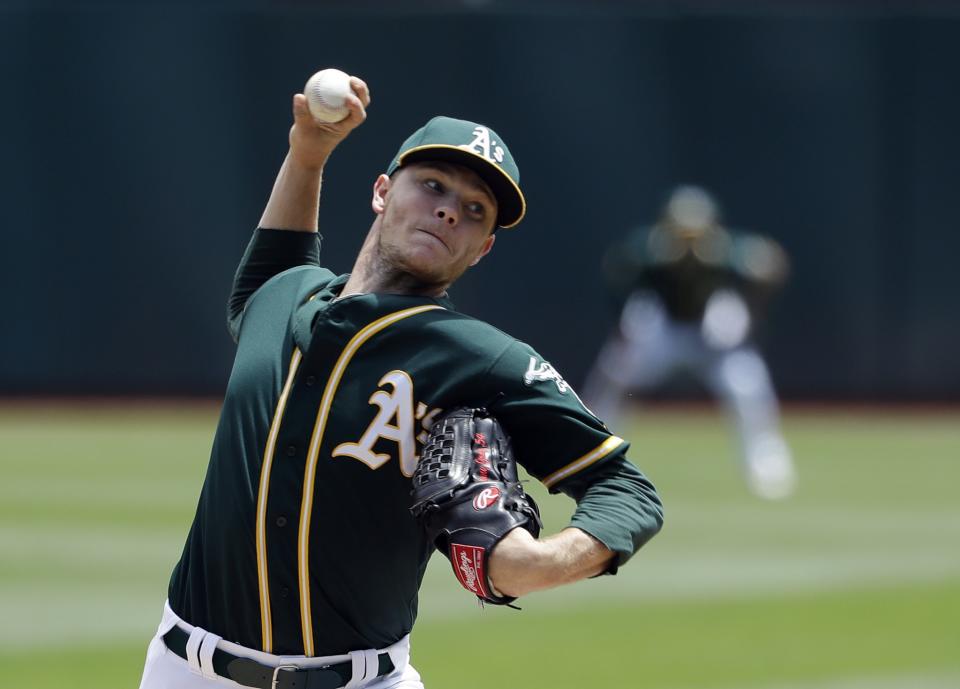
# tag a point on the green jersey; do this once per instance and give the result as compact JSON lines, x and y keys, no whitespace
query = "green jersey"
{"x":302,"y":541}
{"x":686,"y":271}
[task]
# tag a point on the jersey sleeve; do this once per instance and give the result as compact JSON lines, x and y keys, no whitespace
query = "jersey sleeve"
{"x":617,"y":505}
{"x":625,"y":264}
{"x":559,"y":441}
{"x":759,"y":267}
{"x":269,"y":253}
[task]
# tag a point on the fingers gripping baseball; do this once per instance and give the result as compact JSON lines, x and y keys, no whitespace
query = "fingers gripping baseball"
{"x":311,"y":140}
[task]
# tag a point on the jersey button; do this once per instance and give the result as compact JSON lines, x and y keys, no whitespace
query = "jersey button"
{"x":281,"y":522}
{"x":310,"y":381}
{"x":284,"y":592}
{"x":291,"y":450}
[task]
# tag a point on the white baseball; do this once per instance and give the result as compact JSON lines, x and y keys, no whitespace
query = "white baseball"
{"x":326,"y":93}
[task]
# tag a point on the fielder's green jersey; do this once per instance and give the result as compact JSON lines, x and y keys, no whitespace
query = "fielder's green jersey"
{"x":684,"y":272}
{"x":302,"y":541}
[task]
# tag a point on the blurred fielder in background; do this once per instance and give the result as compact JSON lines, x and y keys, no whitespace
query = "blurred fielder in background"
{"x":691,"y":293}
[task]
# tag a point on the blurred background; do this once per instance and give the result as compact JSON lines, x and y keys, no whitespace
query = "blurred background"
{"x":141,"y":142}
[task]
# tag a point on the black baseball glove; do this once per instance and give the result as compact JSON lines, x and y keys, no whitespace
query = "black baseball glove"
{"x":467,"y":496}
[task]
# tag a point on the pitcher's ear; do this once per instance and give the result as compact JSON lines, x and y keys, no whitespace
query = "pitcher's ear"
{"x":380,"y":189}
{"x":485,"y":249}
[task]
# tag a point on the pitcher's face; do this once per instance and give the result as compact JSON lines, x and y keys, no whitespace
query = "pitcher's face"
{"x":437,"y":220}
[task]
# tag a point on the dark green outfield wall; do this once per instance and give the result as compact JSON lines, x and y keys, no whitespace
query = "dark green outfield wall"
{"x":139,"y":146}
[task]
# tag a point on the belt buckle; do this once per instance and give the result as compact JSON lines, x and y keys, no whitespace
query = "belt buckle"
{"x":276,"y":673}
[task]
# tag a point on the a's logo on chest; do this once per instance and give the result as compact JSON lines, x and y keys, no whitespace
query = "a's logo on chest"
{"x":396,"y":420}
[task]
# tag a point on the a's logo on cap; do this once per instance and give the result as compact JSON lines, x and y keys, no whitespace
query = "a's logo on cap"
{"x":483,"y":145}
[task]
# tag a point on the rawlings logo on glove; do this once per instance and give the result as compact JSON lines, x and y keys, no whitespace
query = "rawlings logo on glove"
{"x":485,"y":498}
{"x":467,"y":496}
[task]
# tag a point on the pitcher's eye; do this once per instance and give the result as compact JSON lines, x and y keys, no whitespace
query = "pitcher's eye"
{"x":434,"y":185}
{"x":477,"y":210}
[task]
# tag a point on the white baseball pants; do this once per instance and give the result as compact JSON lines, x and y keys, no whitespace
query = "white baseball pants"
{"x":166,"y":670}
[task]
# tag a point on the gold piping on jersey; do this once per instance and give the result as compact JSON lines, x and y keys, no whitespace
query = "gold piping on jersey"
{"x":599,"y":452}
{"x":266,"y":625}
{"x":306,"y":507}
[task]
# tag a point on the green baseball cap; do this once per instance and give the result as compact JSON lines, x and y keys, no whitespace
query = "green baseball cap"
{"x":475,"y":146}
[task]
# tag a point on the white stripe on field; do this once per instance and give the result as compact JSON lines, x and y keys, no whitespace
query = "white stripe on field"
{"x":705,"y":575}
{"x":925,"y":681}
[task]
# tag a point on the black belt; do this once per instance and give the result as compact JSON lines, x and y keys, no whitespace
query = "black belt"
{"x":250,"y":673}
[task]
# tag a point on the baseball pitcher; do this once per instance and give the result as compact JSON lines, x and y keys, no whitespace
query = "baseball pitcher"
{"x":367,"y":424}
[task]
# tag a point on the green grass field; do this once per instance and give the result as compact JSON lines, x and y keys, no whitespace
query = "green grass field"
{"x":852,"y":584}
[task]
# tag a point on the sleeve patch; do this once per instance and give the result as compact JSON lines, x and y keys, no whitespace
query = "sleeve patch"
{"x":538,"y":371}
